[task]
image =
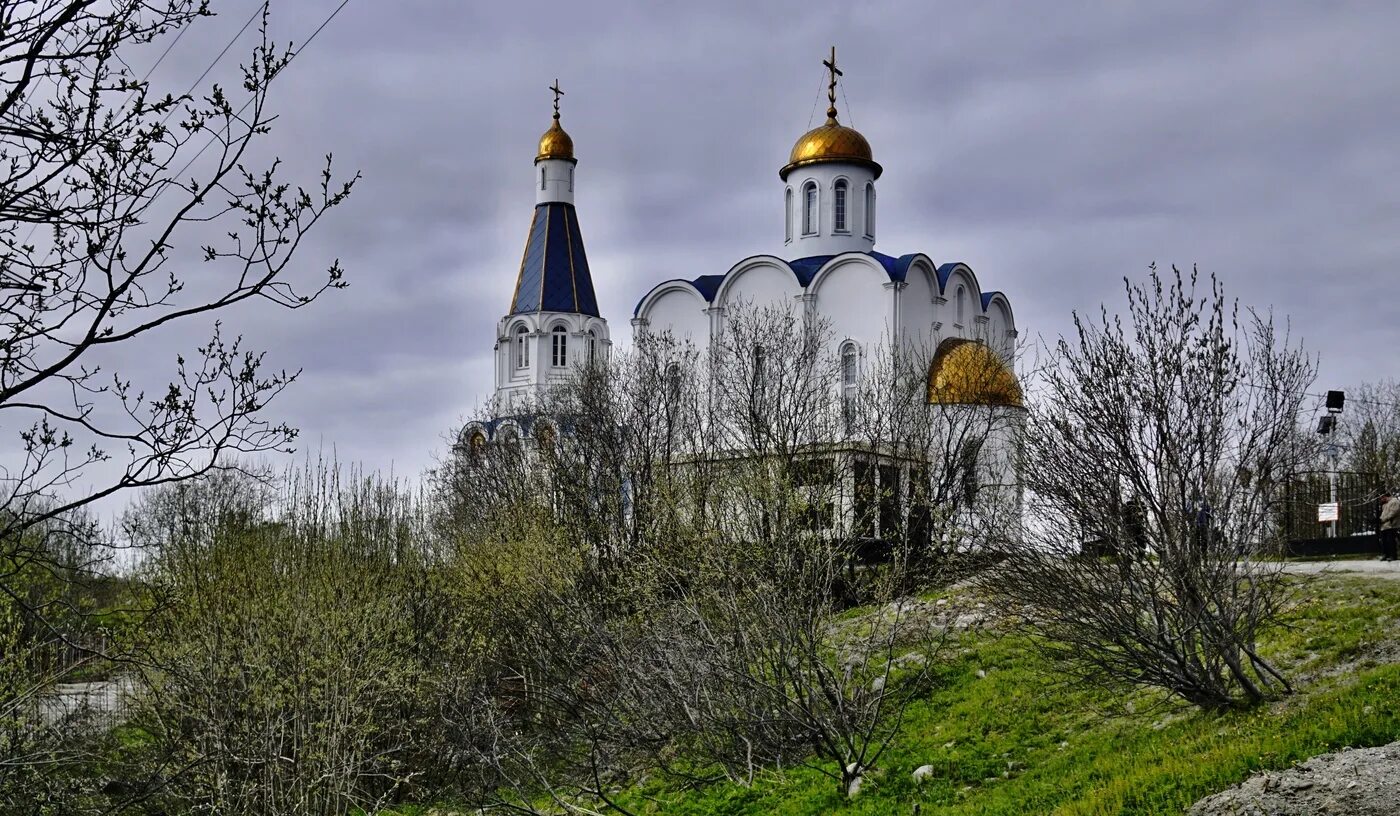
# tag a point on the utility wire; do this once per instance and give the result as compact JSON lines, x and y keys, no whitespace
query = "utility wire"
{"x":296,"y":53}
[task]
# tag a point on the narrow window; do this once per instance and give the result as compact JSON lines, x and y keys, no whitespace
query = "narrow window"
{"x":673,"y":383}
{"x":541,"y":178}
{"x":592,"y":345}
{"x":809,"y":209}
{"x":760,"y":362}
{"x":869,"y":210}
{"x":559,"y":347}
{"x":571,"y":179}
{"x":839,"y":207}
{"x":522,"y":348}
{"x":787,"y":215}
{"x":962,"y":304}
{"x":848,"y":365}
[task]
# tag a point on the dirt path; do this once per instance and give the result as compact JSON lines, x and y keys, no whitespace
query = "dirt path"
{"x":1354,"y":783}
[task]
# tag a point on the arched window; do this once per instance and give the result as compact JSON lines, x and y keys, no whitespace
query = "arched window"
{"x":541,"y":178}
{"x":838,"y":221}
{"x":869,"y":210}
{"x":962,"y":304}
{"x":760,"y":363}
{"x":592,"y":345}
{"x":509,"y":440}
{"x":476,"y":446}
{"x":522,"y":347}
{"x":673,"y":382}
{"x":850,"y":359}
{"x":559,"y":347}
{"x":787,"y":215}
{"x":809,"y":208}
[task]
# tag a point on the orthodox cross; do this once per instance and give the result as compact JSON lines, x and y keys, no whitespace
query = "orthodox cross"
{"x":831,"y":86}
{"x":558,"y":93}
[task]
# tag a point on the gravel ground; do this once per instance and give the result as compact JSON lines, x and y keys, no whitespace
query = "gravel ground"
{"x":1363,"y":782}
{"x":1373,"y":567}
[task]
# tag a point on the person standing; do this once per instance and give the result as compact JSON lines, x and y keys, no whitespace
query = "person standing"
{"x":1390,"y":525}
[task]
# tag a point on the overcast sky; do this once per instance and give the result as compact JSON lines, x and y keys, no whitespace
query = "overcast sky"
{"x":1054,"y":147}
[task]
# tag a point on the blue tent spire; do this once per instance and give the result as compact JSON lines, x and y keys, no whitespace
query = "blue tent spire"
{"x":554,"y":273}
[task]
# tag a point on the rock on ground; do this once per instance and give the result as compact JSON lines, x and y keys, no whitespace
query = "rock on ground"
{"x":1363,"y":782}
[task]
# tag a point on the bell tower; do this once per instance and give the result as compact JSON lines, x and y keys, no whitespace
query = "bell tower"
{"x":553,"y":326}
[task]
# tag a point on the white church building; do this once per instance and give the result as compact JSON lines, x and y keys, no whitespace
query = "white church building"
{"x":829,"y":268}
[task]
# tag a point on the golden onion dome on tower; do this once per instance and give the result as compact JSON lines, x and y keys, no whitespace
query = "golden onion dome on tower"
{"x":555,"y":143}
{"x":966,"y":372}
{"x":831,"y":141}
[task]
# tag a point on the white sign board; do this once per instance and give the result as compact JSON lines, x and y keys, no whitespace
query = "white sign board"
{"x":1329,"y":512}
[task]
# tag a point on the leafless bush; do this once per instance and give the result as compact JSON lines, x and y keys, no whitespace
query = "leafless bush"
{"x":1150,"y":458}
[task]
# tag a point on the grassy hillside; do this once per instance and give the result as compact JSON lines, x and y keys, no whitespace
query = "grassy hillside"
{"x":1004,"y":736}
{"x":1017,"y":741}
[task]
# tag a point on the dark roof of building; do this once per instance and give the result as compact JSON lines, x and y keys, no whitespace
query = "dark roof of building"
{"x":554,"y":273}
{"x":805,"y":270}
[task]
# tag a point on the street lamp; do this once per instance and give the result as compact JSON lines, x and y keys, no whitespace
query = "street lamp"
{"x":1327,"y":426}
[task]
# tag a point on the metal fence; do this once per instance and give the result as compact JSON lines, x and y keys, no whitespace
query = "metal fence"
{"x":1358,"y":496}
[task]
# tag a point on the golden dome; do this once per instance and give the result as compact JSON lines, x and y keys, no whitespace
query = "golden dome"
{"x":831,"y":142}
{"x":555,"y":143}
{"x":966,"y":372}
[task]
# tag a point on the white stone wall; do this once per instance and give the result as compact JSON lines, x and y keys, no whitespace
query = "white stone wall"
{"x":518,"y":386}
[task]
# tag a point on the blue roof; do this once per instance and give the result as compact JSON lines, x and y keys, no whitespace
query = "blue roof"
{"x":708,"y":285}
{"x":554,"y":271}
{"x":805,"y":269}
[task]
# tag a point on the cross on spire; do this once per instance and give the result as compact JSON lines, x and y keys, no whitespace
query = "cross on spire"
{"x":558,"y":93}
{"x":831,"y":86}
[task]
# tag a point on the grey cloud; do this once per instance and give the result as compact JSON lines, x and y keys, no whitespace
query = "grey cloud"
{"x":1054,"y":147}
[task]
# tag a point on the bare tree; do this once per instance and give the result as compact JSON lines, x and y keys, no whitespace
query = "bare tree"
{"x":1150,"y":459}
{"x":677,"y":528}
{"x":126,"y":212}
{"x":1371,"y":431}
{"x":94,"y":204}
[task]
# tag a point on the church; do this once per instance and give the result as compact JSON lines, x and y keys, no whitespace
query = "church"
{"x":829,"y":269}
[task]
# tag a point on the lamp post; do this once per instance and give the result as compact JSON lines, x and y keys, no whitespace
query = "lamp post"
{"x":1327,"y":426}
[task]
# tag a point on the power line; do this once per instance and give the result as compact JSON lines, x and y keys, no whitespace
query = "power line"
{"x":296,"y":53}
{"x":180,"y":34}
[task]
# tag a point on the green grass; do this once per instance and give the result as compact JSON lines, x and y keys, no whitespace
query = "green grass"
{"x":1019,"y":741}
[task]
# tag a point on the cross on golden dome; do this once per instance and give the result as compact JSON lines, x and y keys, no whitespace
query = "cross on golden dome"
{"x":831,"y":86}
{"x":831,"y":141}
{"x":558,"y":93}
{"x":555,"y":143}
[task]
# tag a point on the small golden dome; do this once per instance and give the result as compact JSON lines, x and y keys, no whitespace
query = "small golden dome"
{"x":555,"y":143}
{"x":966,"y":372}
{"x":831,"y":142}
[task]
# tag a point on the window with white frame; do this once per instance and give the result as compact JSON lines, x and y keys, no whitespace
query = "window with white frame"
{"x":592,"y":345}
{"x":850,"y":361}
{"x":787,"y":215}
{"x":869,"y":210}
{"x":838,"y":205}
{"x":541,"y":178}
{"x":809,"y":208}
{"x":559,"y":347}
{"x":962,"y":305}
{"x":571,"y":179}
{"x":522,"y":347}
